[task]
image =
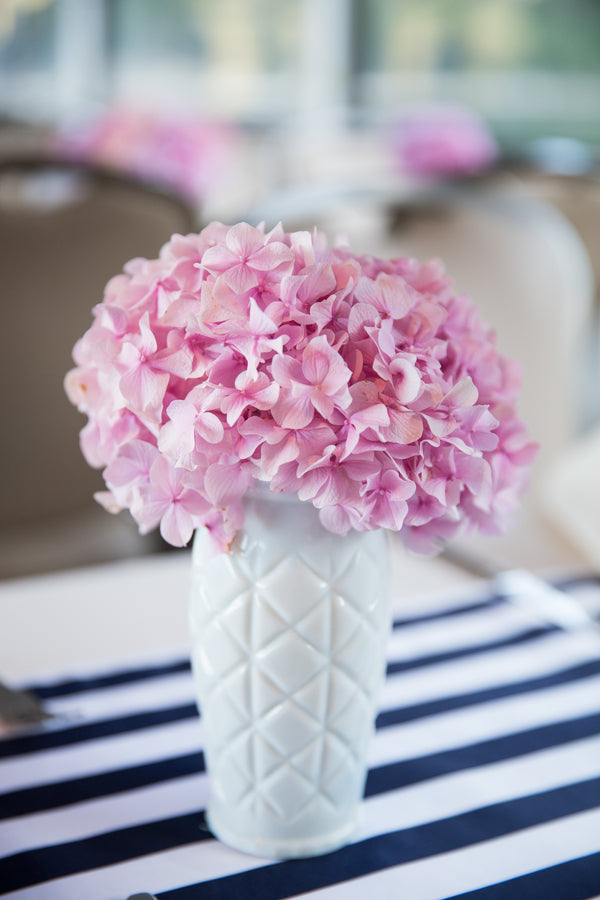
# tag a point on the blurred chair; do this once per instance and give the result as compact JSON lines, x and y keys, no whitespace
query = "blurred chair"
{"x":528,"y":271}
{"x":578,"y":198}
{"x":64,"y":231}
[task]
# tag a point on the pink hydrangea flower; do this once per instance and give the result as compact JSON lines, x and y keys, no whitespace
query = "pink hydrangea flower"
{"x":365,"y":386}
{"x":184,"y":153}
{"x":168,"y":499}
{"x":444,"y":140}
{"x":245,"y":253}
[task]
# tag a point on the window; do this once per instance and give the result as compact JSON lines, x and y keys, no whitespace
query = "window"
{"x":530,"y":67}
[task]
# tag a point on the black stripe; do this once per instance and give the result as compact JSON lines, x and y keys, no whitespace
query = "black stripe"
{"x":489,"y":602}
{"x":575,"y":581}
{"x":380,"y":779}
{"x":73,"y":686}
{"x":57,"y":861}
{"x":577,"y":879}
{"x":522,"y":637}
{"x":461,"y":701}
{"x":55,"y":794}
{"x":288,"y":879}
{"x":47,"y":740}
{"x":394,"y":776}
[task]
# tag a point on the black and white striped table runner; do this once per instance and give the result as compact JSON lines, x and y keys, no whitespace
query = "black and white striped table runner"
{"x":484,"y":778}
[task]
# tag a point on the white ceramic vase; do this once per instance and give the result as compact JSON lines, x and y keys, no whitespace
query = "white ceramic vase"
{"x":289,"y":633}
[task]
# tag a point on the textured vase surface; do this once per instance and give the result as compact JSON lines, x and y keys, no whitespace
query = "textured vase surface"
{"x":289,"y":633}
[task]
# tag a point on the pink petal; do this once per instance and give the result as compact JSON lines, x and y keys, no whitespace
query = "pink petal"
{"x":271,"y":256}
{"x":324,"y":405}
{"x":362,"y":315}
{"x":407,"y":386}
{"x":404,"y":428}
{"x":286,"y":371}
{"x":194,"y":502}
{"x":464,"y":393}
{"x":241,"y":278}
{"x":132,"y":465}
{"x":210,"y":427}
{"x":148,"y":510}
{"x":225,"y":483}
{"x":144,"y":388}
{"x":315,"y":364}
{"x":388,"y":294}
{"x":219,"y":258}
{"x":335,"y":519}
{"x":243,"y":240}
{"x":259,"y":322}
{"x":293,"y":411}
{"x":176,"y":525}
{"x":108,"y":500}
{"x":148,"y":344}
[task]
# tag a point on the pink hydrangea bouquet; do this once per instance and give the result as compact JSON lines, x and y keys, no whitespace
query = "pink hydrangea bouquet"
{"x":363,"y":386}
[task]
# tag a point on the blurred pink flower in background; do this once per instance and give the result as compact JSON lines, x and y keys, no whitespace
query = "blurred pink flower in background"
{"x":180,"y":152}
{"x":443,"y":140}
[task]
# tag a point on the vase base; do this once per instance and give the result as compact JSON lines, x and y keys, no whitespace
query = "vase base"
{"x":284,"y":848}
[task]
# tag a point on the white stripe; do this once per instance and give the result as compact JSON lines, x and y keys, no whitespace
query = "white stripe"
{"x":589,"y":596}
{"x":508,"y":665}
{"x":88,"y":672}
{"x":485,"y":721}
{"x":443,"y":599}
{"x":451,"y":795}
{"x":441,"y":635}
{"x":176,"y":797}
{"x":170,"y":690}
{"x":124,"y":699}
{"x":101,"y":755}
{"x":155,"y":872}
{"x":178,"y":689}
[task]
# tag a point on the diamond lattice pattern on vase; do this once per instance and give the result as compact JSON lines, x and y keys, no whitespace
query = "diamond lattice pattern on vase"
{"x":288,"y":657}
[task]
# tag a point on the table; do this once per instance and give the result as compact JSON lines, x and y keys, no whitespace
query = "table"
{"x":484,"y":772}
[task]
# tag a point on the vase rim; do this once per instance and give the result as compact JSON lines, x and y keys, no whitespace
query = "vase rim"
{"x":261,"y":490}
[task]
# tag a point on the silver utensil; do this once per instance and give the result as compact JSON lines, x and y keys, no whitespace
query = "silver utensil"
{"x":19,"y":707}
{"x":522,"y":587}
